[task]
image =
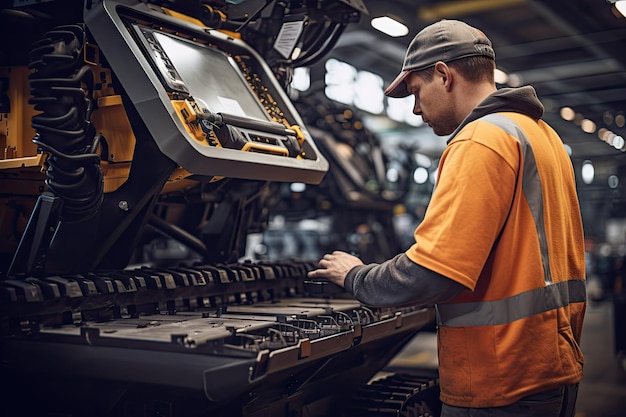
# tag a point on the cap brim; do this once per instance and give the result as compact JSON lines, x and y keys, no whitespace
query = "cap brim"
{"x":397,"y":88}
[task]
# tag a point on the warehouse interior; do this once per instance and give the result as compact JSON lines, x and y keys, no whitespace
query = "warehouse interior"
{"x":571,"y":53}
{"x":112,"y":261}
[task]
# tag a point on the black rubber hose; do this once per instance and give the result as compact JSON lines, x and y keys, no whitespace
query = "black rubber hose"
{"x":61,"y":86}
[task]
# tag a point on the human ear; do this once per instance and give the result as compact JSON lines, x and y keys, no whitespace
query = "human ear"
{"x":441,"y":69}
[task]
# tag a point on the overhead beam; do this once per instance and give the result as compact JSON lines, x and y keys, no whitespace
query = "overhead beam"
{"x":463,"y":8}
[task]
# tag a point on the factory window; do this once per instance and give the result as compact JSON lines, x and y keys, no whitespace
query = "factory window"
{"x":401,"y":110}
{"x":420,"y":175}
{"x":369,"y":93}
{"x":366,"y":91}
{"x":301,"y":79}
{"x":340,"y":81}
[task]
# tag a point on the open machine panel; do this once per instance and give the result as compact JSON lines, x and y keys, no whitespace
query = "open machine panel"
{"x":210,"y":102}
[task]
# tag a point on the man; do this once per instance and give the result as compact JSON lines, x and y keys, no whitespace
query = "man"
{"x":500,"y":250}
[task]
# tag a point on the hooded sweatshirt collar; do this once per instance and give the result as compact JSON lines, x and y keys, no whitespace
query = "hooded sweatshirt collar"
{"x":518,"y":100}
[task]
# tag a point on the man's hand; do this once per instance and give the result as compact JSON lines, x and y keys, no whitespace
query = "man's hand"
{"x":335,"y":266}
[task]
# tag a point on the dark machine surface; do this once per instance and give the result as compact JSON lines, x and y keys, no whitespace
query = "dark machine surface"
{"x":143,"y":143}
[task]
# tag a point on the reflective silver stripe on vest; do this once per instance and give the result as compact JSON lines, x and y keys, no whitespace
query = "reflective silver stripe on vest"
{"x":531,"y":184}
{"x":530,"y":303}
{"x":526,"y":304}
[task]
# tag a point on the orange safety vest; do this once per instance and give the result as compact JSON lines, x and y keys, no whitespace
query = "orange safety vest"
{"x":504,"y":221}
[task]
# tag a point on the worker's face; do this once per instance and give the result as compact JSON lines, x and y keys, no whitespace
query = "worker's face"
{"x":433,"y":102}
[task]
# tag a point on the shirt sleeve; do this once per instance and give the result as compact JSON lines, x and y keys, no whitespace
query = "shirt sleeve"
{"x":399,"y":281}
{"x":470,"y":203}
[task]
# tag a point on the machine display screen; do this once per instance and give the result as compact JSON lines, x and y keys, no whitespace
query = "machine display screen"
{"x":210,"y":76}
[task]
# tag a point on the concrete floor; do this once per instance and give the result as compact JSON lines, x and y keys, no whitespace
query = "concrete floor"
{"x":603,"y":390}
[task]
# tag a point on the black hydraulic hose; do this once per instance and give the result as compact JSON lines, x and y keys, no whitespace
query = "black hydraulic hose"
{"x":61,"y":86}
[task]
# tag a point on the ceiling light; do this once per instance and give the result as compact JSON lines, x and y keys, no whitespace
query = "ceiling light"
{"x":390,"y":26}
{"x":606,"y":136}
{"x":392,"y":175}
{"x":588,"y":126}
{"x":587,"y":172}
{"x":609,"y":138}
{"x":567,"y":113}
{"x":602,"y":132}
{"x":297,"y":187}
{"x":420,"y":175}
{"x":568,"y":149}
{"x":620,"y":5}
{"x":515,"y":80}
{"x":501,"y":77}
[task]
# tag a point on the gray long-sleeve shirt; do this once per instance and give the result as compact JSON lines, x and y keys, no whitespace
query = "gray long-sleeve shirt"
{"x":399,"y":281}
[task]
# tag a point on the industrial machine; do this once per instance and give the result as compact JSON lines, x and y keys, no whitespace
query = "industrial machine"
{"x":143,"y":143}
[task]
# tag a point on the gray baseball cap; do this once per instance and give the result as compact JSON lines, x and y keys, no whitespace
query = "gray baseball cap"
{"x":445,"y":41}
